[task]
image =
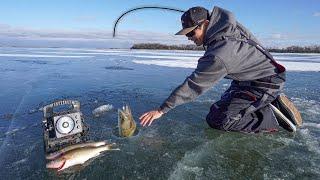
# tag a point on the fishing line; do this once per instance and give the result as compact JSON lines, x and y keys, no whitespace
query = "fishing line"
{"x":144,"y":7}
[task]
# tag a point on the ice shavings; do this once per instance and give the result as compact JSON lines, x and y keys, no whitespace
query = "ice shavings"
{"x":310,"y":106}
{"x":315,"y":125}
{"x":99,"y":111}
{"x":311,"y":142}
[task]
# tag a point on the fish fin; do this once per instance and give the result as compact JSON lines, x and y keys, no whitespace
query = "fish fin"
{"x":53,"y":155}
{"x":129,"y":110}
{"x":62,"y":166}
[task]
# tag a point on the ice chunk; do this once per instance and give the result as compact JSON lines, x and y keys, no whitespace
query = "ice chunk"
{"x":99,"y":111}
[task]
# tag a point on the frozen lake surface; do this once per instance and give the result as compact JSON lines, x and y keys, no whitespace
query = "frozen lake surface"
{"x":178,"y":146}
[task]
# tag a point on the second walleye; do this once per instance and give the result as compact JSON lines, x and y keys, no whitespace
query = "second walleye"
{"x":78,"y":156}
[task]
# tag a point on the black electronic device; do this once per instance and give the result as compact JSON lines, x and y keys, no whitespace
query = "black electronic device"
{"x":63,"y":127}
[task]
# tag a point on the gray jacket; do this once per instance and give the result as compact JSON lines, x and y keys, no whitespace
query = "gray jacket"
{"x":223,"y":59}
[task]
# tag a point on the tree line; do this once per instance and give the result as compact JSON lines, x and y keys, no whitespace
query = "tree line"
{"x":290,"y":49}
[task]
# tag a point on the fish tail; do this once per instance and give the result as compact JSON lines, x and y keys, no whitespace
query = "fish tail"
{"x":109,"y":147}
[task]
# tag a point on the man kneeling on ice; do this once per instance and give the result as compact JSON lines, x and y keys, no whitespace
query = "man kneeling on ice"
{"x":253,"y":102}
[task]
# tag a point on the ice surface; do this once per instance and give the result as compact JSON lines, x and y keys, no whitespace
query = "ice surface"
{"x":178,"y":146}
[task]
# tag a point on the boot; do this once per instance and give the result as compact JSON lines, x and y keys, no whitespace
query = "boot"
{"x":287,"y":114}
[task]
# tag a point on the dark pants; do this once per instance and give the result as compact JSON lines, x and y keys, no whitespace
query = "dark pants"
{"x":245,"y":106}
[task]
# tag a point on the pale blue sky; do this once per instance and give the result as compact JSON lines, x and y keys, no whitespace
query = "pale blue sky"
{"x":291,"y":20}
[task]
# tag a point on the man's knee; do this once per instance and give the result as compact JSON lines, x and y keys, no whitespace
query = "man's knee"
{"x":216,"y":118}
{"x":219,"y":118}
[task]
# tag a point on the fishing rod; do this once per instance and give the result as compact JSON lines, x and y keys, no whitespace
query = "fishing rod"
{"x":144,"y":7}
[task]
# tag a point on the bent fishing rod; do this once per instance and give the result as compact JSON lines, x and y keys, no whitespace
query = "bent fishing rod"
{"x":144,"y":7}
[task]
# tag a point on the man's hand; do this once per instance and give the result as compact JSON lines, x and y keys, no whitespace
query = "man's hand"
{"x":149,"y":117}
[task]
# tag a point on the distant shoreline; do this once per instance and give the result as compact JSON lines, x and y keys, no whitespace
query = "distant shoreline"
{"x":154,"y":46}
{"x":290,"y":49}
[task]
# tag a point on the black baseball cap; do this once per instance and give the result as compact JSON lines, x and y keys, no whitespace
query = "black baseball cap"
{"x":192,"y":18}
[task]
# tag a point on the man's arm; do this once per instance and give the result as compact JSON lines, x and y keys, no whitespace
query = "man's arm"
{"x":210,"y":70}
